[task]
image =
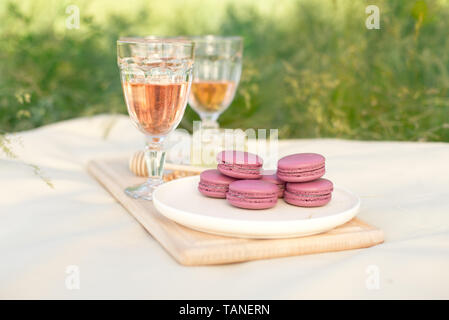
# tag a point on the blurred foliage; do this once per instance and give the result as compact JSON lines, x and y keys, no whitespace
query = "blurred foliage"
{"x":314,"y":71}
{"x":6,"y":147}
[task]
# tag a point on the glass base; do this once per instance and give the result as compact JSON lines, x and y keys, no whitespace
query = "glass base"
{"x":143,"y":191}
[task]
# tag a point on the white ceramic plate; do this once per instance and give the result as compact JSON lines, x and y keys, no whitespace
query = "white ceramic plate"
{"x":180,"y":200}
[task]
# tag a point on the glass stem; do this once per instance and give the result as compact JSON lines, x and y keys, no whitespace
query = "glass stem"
{"x":209,"y":121}
{"x":155,"y":160}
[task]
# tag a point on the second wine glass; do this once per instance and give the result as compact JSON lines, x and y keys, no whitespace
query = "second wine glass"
{"x":216,"y":74}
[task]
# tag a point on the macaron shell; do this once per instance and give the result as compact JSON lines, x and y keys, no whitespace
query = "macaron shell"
{"x":302,"y":161}
{"x":295,"y":176}
{"x":213,"y":176}
{"x":315,"y":187}
{"x":254,"y":188}
{"x":239,"y":157}
{"x":304,"y":201}
{"x":238,"y":172}
{"x":256,"y":204}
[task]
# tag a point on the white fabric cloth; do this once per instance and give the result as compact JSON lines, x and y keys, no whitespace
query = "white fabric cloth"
{"x":404,"y":188}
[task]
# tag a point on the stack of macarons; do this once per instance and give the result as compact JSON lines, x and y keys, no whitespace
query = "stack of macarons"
{"x":240,"y":179}
{"x":302,"y":173}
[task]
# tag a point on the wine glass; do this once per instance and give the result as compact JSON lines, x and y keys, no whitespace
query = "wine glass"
{"x":156,"y":75}
{"x":216,"y":74}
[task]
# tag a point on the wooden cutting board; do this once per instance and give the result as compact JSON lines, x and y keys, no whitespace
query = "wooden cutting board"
{"x":190,"y":247}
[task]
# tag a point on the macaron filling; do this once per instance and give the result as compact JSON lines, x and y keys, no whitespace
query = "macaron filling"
{"x":250,"y":199}
{"x":214,"y":187}
{"x":240,"y":167}
{"x":251,"y":195}
{"x":299,"y":171}
{"x":226,"y":168}
{"x":303,"y":200}
{"x":304,"y":196}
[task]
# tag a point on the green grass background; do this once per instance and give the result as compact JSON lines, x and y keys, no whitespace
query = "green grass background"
{"x":311,"y":68}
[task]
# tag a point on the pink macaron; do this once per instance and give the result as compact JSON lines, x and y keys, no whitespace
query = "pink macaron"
{"x":271,"y":176}
{"x":239,"y":164}
{"x":301,"y":167}
{"x":214,"y":184}
{"x":252,"y":194}
{"x":315,"y":193}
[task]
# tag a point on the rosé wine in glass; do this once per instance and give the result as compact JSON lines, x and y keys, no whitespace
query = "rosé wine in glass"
{"x":216,"y":74}
{"x":156,"y":75}
{"x":211,"y":96}
{"x":156,"y":108}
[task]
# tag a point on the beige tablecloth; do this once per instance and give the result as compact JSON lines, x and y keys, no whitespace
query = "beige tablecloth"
{"x":43,"y":232}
